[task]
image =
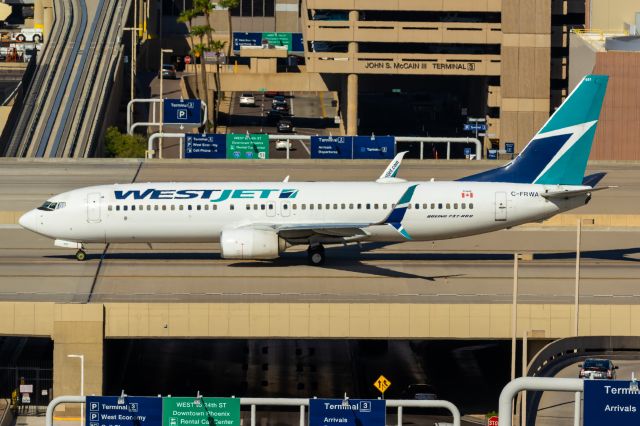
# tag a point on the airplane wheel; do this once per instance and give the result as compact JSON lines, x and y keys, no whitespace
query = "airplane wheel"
{"x":316,"y":255}
{"x":81,"y":255}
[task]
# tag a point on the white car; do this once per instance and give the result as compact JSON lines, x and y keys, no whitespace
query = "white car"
{"x":247,"y":99}
{"x":283,"y":143}
{"x":28,"y":34}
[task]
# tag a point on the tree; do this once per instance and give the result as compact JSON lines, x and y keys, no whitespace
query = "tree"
{"x":123,"y":146}
{"x":229,"y":4}
{"x":201,"y":48}
{"x":217,"y":46}
{"x":186,"y":17}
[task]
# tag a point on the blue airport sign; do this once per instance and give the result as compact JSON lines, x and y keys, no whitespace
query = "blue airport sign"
{"x":467,"y":152}
{"x":374,"y":147}
{"x":509,"y":147}
{"x":246,"y":39}
{"x":340,"y":147}
{"x":177,"y":111}
{"x":492,"y":154}
{"x":480,"y":127}
{"x":133,"y":411}
{"x":205,"y":146}
{"x":352,"y":412}
{"x":610,"y":402}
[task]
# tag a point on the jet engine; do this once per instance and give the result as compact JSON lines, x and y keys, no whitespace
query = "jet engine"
{"x":251,"y":244}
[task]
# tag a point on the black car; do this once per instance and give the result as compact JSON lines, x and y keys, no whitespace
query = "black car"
{"x":595,"y":368}
{"x":285,"y":126}
{"x":281,"y":107}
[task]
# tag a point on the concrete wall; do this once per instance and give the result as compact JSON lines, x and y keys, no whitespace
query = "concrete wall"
{"x":582,"y":60}
{"x":611,"y":14}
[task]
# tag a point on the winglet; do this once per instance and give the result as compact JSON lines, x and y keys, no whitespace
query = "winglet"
{"x":397,"y":214}
{"x":392,"y":169}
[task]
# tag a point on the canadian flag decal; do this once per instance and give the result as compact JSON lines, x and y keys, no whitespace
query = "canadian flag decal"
{"x":467,"y":194}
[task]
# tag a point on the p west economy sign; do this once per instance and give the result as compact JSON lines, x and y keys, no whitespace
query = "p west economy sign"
{"x":128,"y":411}
{"x":351,"y":412}
{"x":610,"y":402}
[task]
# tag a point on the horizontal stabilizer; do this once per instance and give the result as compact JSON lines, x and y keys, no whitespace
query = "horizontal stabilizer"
{"x":594,"y":179}
{"x":573,"y":193}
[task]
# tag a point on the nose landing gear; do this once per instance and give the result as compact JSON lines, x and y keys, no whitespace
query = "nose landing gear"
{"x":81,"y":255}
{"x":315,"y":255}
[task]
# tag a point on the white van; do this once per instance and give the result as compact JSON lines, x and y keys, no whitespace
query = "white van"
{"x":28,"y":34}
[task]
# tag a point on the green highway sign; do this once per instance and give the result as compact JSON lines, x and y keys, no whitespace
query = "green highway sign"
{"x":252,"y":147}
{"x":278,"y":39}
{"x":198,"y":412}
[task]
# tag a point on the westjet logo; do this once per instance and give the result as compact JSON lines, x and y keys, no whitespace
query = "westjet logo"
{"x":213,"y":195}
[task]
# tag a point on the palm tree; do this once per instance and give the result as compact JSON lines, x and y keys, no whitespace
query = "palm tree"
{"x":204,"y":7}
{"x":229,"y":4}
{"x":186,"y":17}
{"x":217,"y":46}
{"x":201,"y":48}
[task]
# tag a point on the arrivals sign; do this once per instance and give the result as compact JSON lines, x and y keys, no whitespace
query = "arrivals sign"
{"x":374,"y":147}
{"x":610,"y":402}
{"x":350,"y":412}
{"x":334,"y":147}
{"x":127,"y":411}
{"x":204,"y":411}
{"x":205,"y":146}
{"x":252,"y":147}
{"x":177,"y":111}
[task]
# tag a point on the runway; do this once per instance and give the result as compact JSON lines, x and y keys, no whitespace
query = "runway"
{"x":470,"y":270}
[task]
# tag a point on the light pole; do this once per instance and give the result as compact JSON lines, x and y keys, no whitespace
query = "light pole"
{"x":81,"y":357}
{"x":134,"y":56}
{"x":514,"y":315}
{"x":162,"y":52}
{"x":576,"y":295}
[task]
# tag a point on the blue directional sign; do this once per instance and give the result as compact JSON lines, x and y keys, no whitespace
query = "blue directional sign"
{"x":176,"y":111}
{"x":352,"y":412}
{"x":610,"y":402}
{"x":205,"y":146}
{"x":492,"y":154}
{"x":246,"y":39}
{"x":332,"y":147}
{"x":481,"y":127}
{"x":509,"y":147}
{"x":128,"y":411}
{"x":467,"y":152}
{"x":375,"y":147}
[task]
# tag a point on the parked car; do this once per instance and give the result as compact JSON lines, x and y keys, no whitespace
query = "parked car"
{"x":281,"y":107}
{"x":596,"y":368}
{"x":279,"y":98}
{"x":285,"y":126}
{"x":420,"y":391}
{"x":168,"y":71}
{"x":247,"y":99}
{"x":28,"y":34}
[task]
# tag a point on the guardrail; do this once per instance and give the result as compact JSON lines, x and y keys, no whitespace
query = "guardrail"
{"x":302,"y":403}
{"x":399,"y":139}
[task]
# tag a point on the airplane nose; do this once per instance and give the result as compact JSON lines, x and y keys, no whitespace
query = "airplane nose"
{"x":29,"y":220}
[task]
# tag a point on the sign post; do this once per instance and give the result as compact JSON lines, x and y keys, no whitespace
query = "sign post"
{"x":201,"y":411}
{"x":347,"y":412}
{"x":123,"y":411}
{"x":382,"y":384}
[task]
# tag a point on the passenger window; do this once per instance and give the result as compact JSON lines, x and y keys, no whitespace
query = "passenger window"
{"x":270,"y":206}
{"x":198,"y":207}
{"x":343,"y":206}
{"x":327,"y":206}
{"x":155,"y":207}
{"x":164,"y":207}
{"x":231,"y":207}
{"x":350,"y":206}
{"x":117,"y":208}
{"x":285,"y":206}
{"x":311,"y":206}
{"x":359,"y":206}
{"x":433,"y":206}
{"x":303,"y":206}
{"x":384,"y":206}
{"x":440,"y":206}
{"x":189,"y":207}
{"x":463,"y":206}
{"x":125,"y":208}
{"x":335,"y":207}
{"x":133,"y":208}
{"x":248,"y":206}
{"x":368,"y":206}
{"x":255,"y":207}
{"x":295,"y":206}
{"x":109,"y":208}
{"x":425,"y":206}
{"x":455,"y":206}
{"x":470,"y":205}
{"x":319,"y":206}
{"x":214,"y":207}
{"x":417,"y":206}
{"x":206,"y":206}
{"x":448,"y":206}
{"x":263,"y":207}
{"x":375,"y":206}
{"x":180,"y":207}
{"x":148,"y":207}
{"x":408,"y":206}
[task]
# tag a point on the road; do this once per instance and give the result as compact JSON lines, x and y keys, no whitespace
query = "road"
{"x":470,"y":270}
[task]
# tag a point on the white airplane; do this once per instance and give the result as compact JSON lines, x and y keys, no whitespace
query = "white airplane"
{"x":260,"y":220}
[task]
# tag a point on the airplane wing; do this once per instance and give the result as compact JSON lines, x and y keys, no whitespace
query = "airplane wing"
{"x":572,"y":193}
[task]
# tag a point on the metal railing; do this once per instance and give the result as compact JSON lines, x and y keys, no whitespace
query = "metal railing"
{"x":302,"y":403}
{"x":399,"y":139}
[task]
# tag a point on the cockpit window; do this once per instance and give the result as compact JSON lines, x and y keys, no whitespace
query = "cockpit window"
{"x":49,"y":206}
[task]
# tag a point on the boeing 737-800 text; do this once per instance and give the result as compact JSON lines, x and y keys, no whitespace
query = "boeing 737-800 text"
{"x":262,"y":219}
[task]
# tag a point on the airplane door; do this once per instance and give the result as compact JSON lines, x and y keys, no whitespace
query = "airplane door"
{"x":501,"y":206}
{"x":285,"y":209}
{"x":93,"y":207}
{"x":271,"y":209}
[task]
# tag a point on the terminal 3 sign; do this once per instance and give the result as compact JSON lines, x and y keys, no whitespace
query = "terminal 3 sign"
{"x":419,"y":66}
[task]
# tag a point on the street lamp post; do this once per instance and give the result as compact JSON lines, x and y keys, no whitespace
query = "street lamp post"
{"x":162,"y":52}
{"x":81,"y":357}
{"x":576,"y":295}
{"x":134,"y":56}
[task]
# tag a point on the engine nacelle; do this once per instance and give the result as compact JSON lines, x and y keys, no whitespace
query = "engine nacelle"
{"x":251,"y":244}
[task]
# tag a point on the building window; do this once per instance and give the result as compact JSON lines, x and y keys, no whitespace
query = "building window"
{"x":254,"y":8}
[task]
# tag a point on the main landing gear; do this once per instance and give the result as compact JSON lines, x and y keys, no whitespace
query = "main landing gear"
{"x":315,"y":255}
{"x":81,"y":255}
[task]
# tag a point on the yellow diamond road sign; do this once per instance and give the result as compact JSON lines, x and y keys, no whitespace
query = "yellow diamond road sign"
{"x":382,"y":384}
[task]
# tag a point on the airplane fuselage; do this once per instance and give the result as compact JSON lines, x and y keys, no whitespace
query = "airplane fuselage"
{"x":200,"y":212}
